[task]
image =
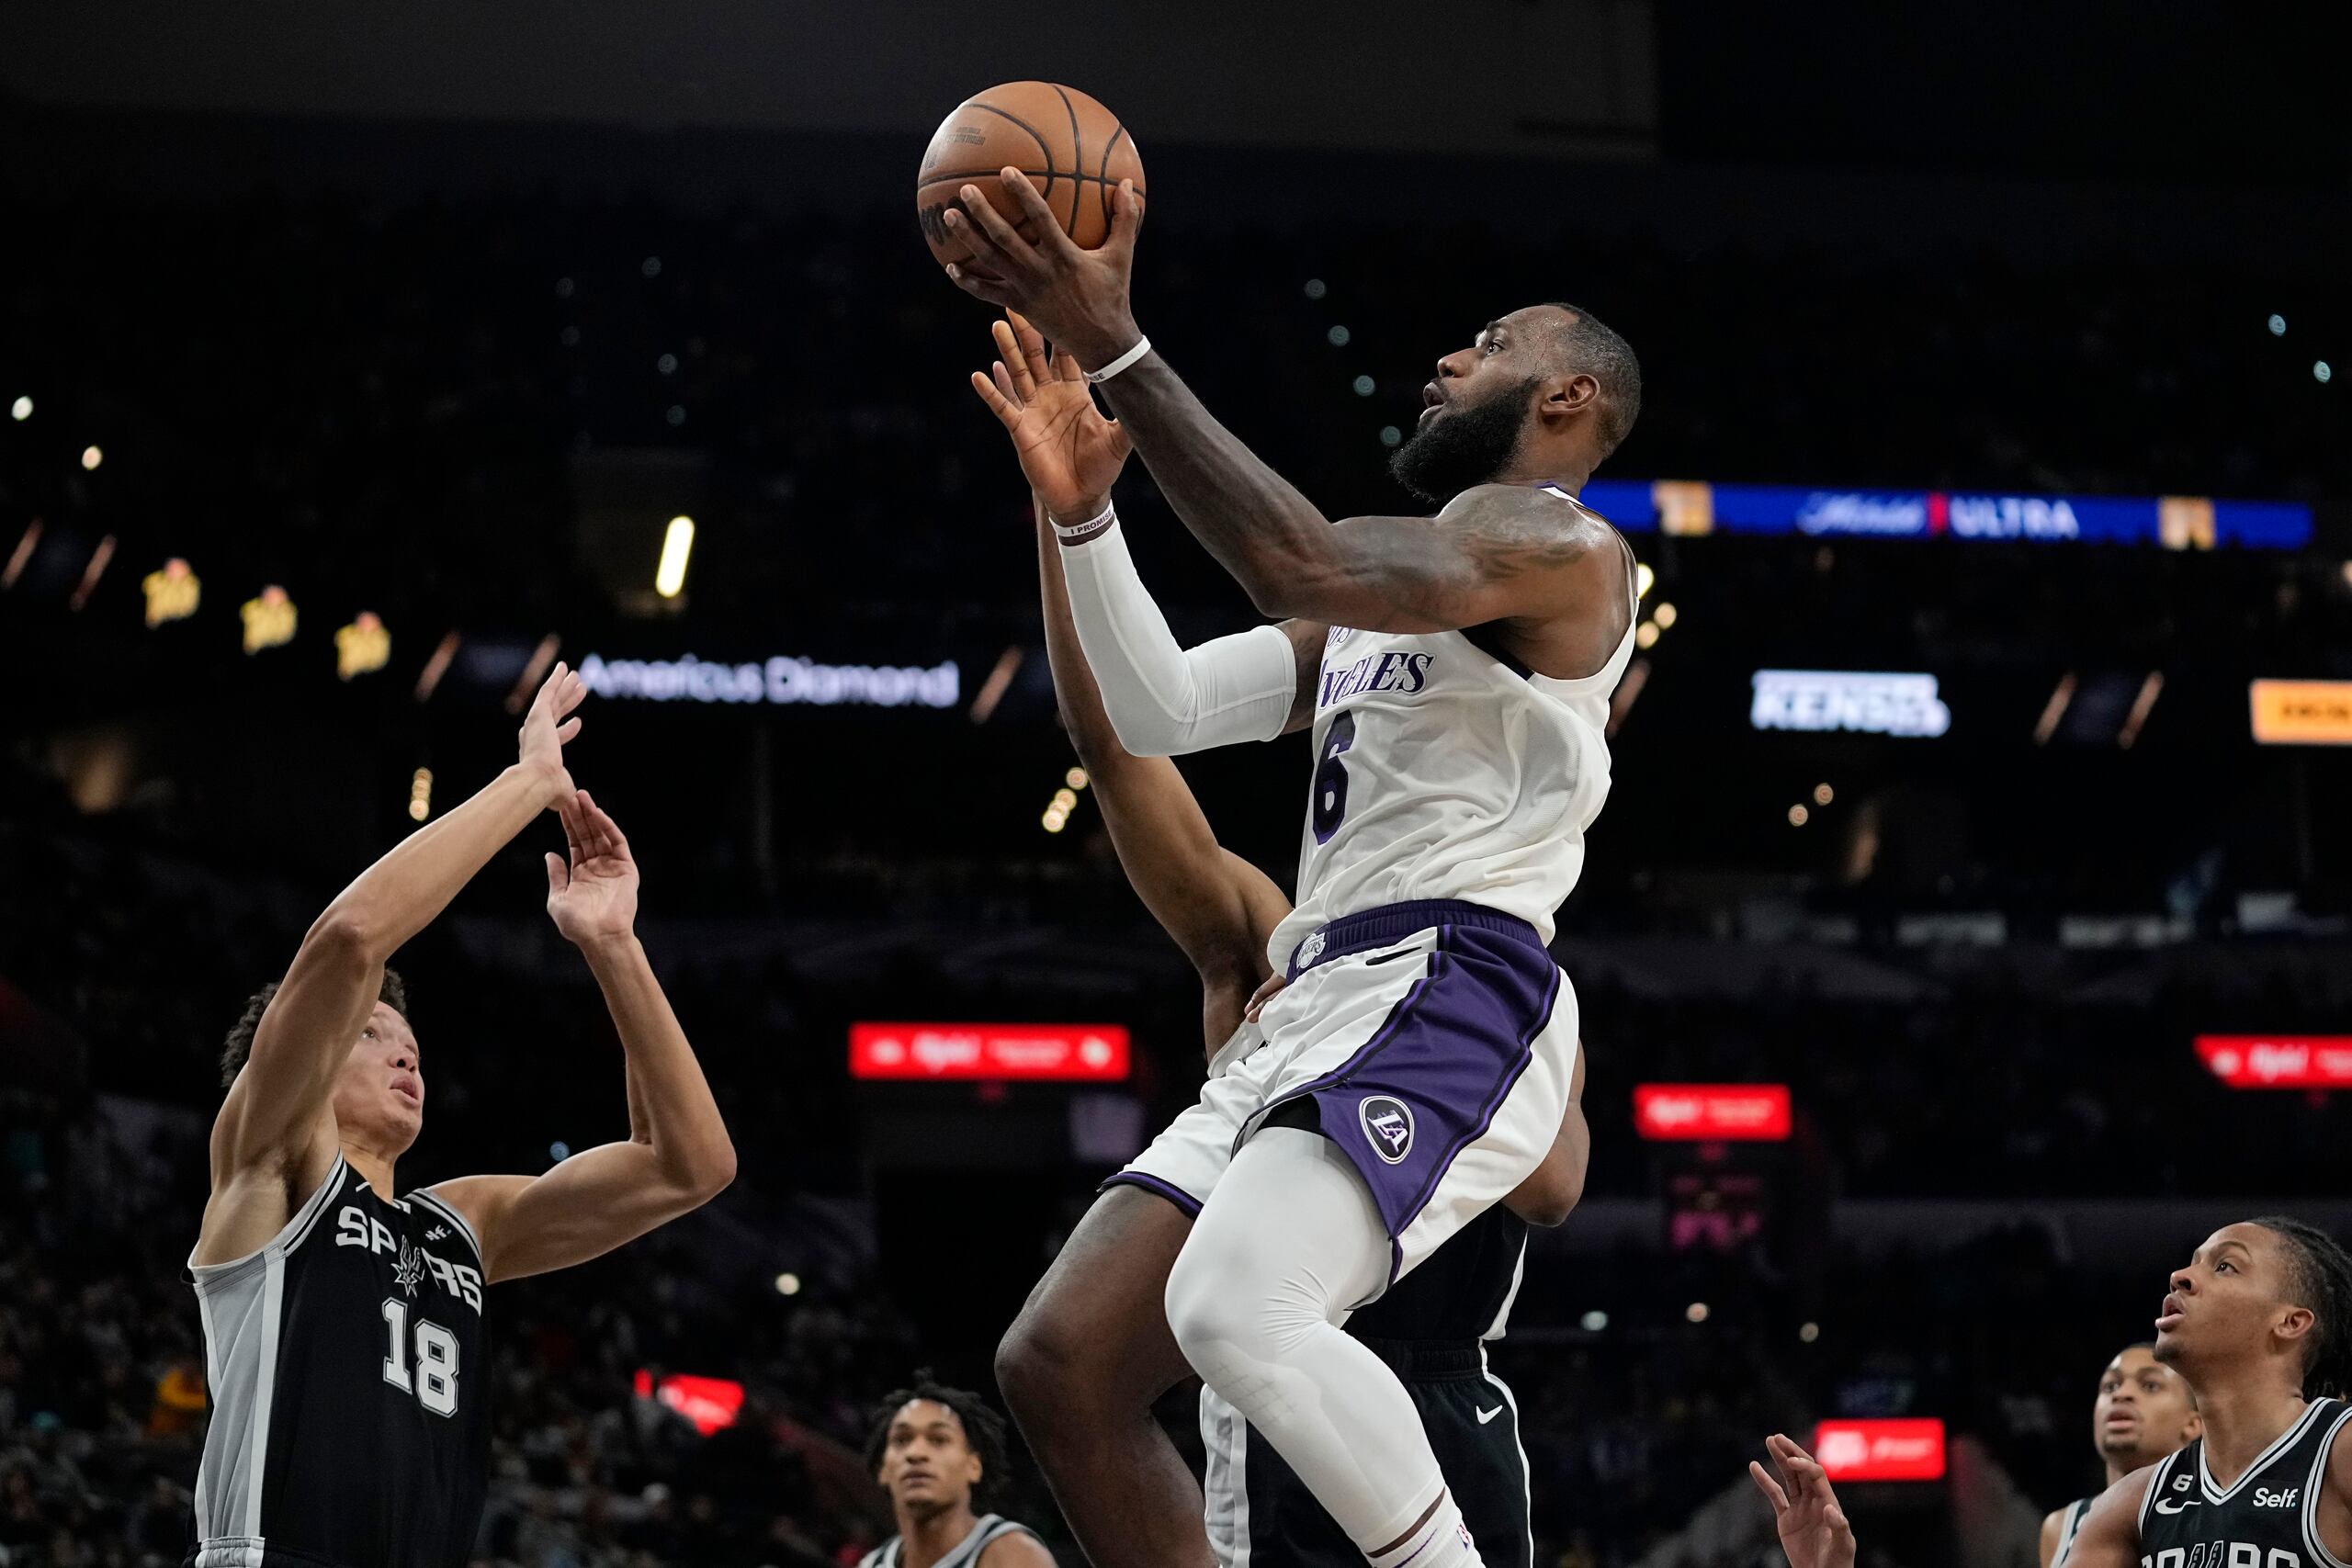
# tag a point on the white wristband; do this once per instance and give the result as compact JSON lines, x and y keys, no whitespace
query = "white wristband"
{"x":1093,"y":527}
{"x":1142,"y":348}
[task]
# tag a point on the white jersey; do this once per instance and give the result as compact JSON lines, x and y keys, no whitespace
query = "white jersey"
{"x":1446,"y":769}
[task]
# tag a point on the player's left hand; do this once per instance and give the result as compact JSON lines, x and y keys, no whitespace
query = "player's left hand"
{"x":1813,"y":1527}
{"x":594,"y":897}
{"x":1078,"y":298}
{"x":1069,"y":450}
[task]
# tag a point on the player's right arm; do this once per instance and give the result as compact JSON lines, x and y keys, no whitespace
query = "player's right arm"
{"x":275,"y":1135}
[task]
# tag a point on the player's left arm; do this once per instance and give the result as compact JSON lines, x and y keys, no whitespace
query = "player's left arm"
{"x":677,"y":1156}
{"x":2334,"y":1512}
{"x":1500,"y":552}
{"x":1015,"y":1549}
{"x":2109,"y":1536}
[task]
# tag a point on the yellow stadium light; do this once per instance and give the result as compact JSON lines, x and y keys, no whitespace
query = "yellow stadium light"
{"x":1664,"y":616}
{"x":1645,"y":635}
{"x":1798,"y":816}
{"x":92,"y":457}
{"x":1823,"y":795}
{"x":269,"y":619}
{"x":1644,"y":579}
{"x":1075,"y":778}
{"x":677,"y":544}
{"x":420,"y":794}
{"x":362,"y":647}
{"x":173,"y":592}
{"x":21,"y":410}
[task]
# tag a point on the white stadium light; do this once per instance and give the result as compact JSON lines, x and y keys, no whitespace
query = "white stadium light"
{"x":677,"y":544}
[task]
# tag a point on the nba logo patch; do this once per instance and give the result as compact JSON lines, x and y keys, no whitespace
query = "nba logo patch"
{"x":1387,"y":1126}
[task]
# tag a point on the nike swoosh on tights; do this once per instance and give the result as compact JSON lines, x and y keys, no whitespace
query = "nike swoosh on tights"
{"x":1487,"y":1416}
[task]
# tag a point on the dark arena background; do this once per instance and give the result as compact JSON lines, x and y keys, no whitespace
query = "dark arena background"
{"x":1968,"y":933}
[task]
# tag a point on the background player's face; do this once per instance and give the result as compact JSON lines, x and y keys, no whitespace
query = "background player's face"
{"x":927,"y":1465}
{"x":380,"y":1094}
{"x":1477,"y":408}
{"x":2233,"y":1296}
{"x":2145,"y":1410}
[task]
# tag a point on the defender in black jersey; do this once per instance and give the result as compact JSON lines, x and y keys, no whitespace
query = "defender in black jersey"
{"x":1091,"y":1350}
{"x":938,"y":1452}
{"x":2144,"y":1411}
{"x":342,"y":1319}
{"x":2260,"y":1323}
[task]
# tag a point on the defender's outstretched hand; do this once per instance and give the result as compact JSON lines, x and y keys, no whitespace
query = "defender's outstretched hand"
{"x":1813,"y":1531}
{"x":1078,"y":298}
{"x":545,"y":726}
{"x":1068,"y":448}
{"x":595,"y":897}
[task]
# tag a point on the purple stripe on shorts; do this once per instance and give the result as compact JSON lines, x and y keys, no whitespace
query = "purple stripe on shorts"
{"x":1174,"y":1193}
{"x":1431,"y":1080}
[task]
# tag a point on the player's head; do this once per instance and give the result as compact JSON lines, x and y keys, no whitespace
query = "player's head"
{"x":934,"y":1449}
{"x":2272,"y":1293}
{"x":1545,"y":391}
{"x":379,"y":1091}
{"x":2145,"y":1410}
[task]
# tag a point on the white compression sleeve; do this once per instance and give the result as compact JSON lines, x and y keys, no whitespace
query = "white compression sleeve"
{"x":1165,"y":700}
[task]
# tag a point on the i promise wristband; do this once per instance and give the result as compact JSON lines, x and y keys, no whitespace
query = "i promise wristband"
{"x":1093,"y":527}
{"x":1142,"y":348}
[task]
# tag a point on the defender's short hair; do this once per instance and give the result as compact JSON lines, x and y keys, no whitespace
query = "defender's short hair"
{"x":983,"y":1427}
{"x":1586,"y":343}
{"x":239,"y":1044}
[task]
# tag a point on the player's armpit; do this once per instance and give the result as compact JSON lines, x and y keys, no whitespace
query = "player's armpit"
{"x":2109,"y":1537}
{"x":596,"y":1200}
{"x":1307,"y":641}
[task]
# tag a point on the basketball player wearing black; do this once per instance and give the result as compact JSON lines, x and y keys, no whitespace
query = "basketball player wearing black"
{"x":2260,"y":1323}
{"x":1430,"y":1327}
{"x":934,"y":1449}
{"x":2144,"y":1411}
{"x":342,"y":1321}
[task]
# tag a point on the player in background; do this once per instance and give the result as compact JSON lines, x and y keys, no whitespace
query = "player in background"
{"x":2144,"y":1411}
{"x":2260,"y":1323}
{"x":343,"y":1319}
{"x":1105,"y":1336}
{"x":1456,"y":671}
{"x":935,"y":1450}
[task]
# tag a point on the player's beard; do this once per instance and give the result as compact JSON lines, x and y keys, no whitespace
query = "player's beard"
{"x":1463,"y":446}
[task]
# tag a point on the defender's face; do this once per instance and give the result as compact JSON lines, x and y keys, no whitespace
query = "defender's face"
{"x":380,"y":1091}
{"x":1497,"y":363}
{"x":2227,"y":1300}
{"x":2144,"y":1410}
{"x":927,"y":1465}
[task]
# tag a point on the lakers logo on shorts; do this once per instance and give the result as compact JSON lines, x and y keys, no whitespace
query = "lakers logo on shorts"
{"x":1388,"y":1126}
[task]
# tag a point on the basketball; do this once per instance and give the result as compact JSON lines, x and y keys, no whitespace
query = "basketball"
{"x":1073,"y":149}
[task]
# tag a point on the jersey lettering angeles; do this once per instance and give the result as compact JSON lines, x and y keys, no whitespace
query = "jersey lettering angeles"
{"x":1446,"y":769}
{"x":350,"y":1389}
{"x":2267,"y":1518}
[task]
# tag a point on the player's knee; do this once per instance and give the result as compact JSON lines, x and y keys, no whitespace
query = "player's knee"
{"x":1222,"y":1301}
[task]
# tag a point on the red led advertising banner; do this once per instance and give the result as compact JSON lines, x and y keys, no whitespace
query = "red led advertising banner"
{"x":1707,"y":1112}
{"x":1069,"y":1053}
{"x":2279,"y":1061}
{"x":1881,"y":1450}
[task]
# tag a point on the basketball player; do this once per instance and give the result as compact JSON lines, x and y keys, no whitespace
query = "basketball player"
{"x":2260,"y":1323}
{"x":934,"y":1449}
{"x":1430,"y":1328}
{"x":2144,"y":1411}
{"x":342,"y":1320}
{"x":1456,"y":671}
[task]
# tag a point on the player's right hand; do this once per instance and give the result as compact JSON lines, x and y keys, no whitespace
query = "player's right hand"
{"x":1813,"y":1531}
{"x":1070,"y":449}
{"x":539,"y":743}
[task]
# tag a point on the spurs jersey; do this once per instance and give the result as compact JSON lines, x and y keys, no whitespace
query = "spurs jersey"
{"x":350,"y":1389}
{"x":986,"y":1530}
{"x":2265,"y":1518}
{"x":2071,"y":1526}
{"x":1446,"y":769}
